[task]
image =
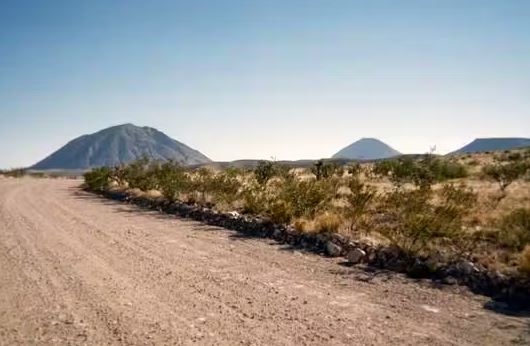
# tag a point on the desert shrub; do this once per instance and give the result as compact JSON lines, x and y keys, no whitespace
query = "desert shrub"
{"x":505,"y":173}
{"x":200,"y":184}
{"x":254,"y":198}
{"x":418,"y":220}
{"x":170,"y":179}
{"x":98,"y":179}
{"x":524,"y":261}
{"x":37,"y":175}
{"x":355,"y":169}
{"x":288,"y":198}
{"x":325,"y":170}
{"x":515,"y":156}
{"x":426,"y":170}
{"x":119,"y":175}
{"x":266,"y":170}
{"x":306,"y":198}
{"x":443,"y":169}
{"x":225,"y":187}
{"x":358,"y":202}
{"x":398,"y":171}
{"x":15,"y":172}
{"x":279,"y":211}
{"x":515,"y":229}
{"x":398,"y":168}
{"x":139,"y":175}
{"x":327,"y":222}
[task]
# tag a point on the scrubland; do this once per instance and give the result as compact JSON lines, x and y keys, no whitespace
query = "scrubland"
{"x":474,"y":206}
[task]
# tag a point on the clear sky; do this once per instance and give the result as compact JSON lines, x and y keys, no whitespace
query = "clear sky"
{"x":290,"y":79}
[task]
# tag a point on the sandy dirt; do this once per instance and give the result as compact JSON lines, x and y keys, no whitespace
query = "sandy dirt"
{"x":76,"y":269}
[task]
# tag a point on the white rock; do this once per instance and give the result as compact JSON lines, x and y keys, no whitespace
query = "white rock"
{"x":234,"y":214}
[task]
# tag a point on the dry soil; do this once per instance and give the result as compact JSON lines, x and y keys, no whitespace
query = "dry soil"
{"x":77,"y":269}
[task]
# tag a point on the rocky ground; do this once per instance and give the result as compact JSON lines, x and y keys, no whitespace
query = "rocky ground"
{"x":77,"y":269}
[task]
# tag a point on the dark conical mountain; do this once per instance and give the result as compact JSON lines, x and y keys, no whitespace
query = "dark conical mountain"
{"x":493,"y":144}
{"x":367,"y":149}
{"x":117,"y":145}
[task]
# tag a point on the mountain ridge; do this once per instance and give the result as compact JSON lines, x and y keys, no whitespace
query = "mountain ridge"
{"x":117,"y":145}
{"x":493,"y":144}
{"x":366,"y":148}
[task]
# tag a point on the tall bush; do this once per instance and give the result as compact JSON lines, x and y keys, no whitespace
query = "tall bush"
{"x":98,"y":179}
{"x":418,"y":220}
{"x":170,"y":179}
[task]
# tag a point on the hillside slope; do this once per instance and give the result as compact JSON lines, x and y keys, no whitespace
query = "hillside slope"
{"x":117,"y":145}
{"x":367,"y":149}
{"x":493,"y":144}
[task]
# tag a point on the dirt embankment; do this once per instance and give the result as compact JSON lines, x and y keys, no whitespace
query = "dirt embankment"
{"x":77,"y":269}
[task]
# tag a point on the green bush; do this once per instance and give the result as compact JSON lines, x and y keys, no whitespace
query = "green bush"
{"x":139,"y":175}
{"x":170,"y":179}
{"x":98,"y":179}
{"x":505,"y":173}
{"x":307,"y":198}
{"x":255,"y":199}
{"x":225,"y":187}
{"x":422,"y":171}
{"x":515,"y":229}
{"x":200,"y":185}
{"x":443,"y":169}
{"x":289,"y":198}
{"x":359,"y":201}
{"x":418,"y":220}
{"x":266,"y":170}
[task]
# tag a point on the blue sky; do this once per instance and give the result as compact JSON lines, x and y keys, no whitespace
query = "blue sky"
{"x":290,"y":79}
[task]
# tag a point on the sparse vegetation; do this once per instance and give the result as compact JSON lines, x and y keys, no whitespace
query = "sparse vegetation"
{"x":515,"y":229}
{"x":428,"y":169}
{"x":421,"y":204}
{"x":170,"y":179}
{"x":14,"y":172}
{"x":324,"y":170}
{"x":505,"y":173}
{"x":507,"y":168}
{"x":266,"y":170}
{"x":359,"y":200}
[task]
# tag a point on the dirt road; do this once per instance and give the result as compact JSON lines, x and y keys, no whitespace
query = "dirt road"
{"x":76,"y":269}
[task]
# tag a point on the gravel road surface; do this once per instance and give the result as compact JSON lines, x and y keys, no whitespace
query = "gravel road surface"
{"x":76,"y":269}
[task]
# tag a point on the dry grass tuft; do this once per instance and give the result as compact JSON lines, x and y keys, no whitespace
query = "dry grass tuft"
{"x":327,"y":222}
{"x":524,"y":261}
{"x":302,"y":225}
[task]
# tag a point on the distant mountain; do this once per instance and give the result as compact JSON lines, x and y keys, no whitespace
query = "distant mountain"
{"x":493,"y":144}
{"x":367,"y":149}
{"x":117,"y":145}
